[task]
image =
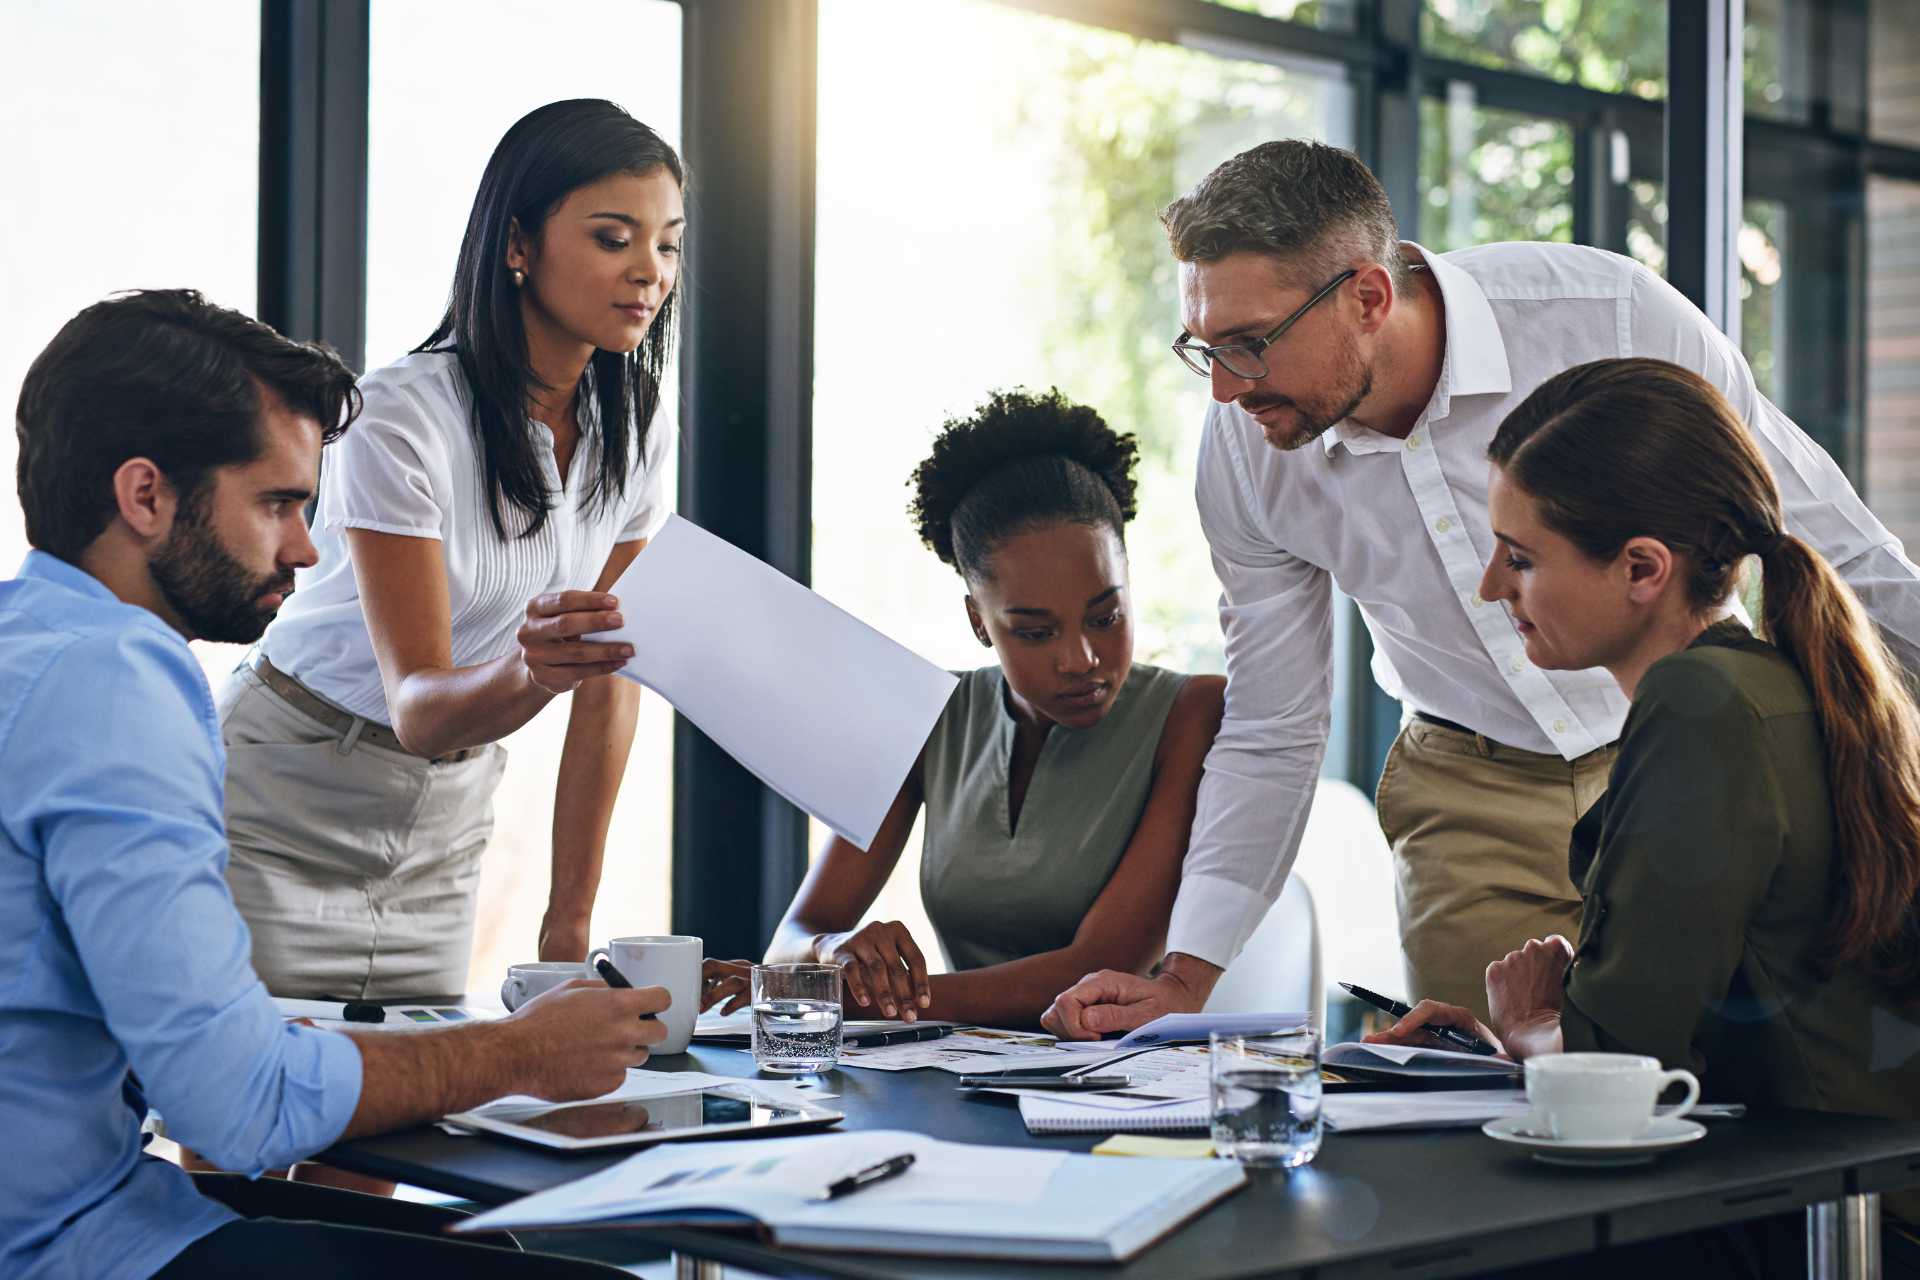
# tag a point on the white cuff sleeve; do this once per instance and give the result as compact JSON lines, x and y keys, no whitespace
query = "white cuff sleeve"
{"x":1213,"y":918}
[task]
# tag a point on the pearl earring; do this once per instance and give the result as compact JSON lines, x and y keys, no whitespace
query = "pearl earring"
{"x":519,"y":277}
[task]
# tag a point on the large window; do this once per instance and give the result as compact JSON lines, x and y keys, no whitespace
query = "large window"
{"x":987,"y":219}
{"x":444,"y":87}
{"x":130,"y":137}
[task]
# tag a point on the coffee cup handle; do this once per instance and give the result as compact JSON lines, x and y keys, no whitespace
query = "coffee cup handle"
{"x":510,"y":993}
{"x":1680,"y":1076}
{"x":594,"y":957}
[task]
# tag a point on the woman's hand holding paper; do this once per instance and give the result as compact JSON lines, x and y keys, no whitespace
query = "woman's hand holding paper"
{"x":555,"y":657}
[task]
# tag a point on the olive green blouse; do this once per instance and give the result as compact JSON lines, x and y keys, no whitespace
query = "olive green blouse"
{"x":1708,"y":871}
{"x":995,"y":891}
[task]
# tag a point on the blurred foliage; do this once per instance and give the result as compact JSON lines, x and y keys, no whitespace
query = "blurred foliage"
{"x":1487,"y":176}
{"x":1616,"y":46}
{"x":1331,"y":15}
{"x":1138,"y":123}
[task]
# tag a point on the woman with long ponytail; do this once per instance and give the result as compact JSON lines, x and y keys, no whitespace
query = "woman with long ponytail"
{"x":1751,"y":878}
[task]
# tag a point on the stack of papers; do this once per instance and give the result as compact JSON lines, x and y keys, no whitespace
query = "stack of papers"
{"x":955,"y":1200}
{"x":1343,"y":1112}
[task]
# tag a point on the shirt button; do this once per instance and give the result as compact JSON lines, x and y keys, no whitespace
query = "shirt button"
{"x":1559,"y":726}
{"x":1475,"y":600}
{"x":1517,"y":665}
{"x":1443,"y":524}
{"x":1413,"y":442}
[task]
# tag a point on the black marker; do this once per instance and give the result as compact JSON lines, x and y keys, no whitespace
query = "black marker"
{"x":614,"y":978}
{"x":1464,"y":1041}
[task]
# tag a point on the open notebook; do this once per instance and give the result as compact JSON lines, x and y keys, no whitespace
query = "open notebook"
{"x":957,"y":1200}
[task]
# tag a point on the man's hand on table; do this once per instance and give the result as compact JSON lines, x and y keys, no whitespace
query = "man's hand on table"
{"x":1110,"y":1001}
{"x":577,"y":1040}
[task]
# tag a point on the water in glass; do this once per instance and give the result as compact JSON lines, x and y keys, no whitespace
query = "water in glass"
{"x":1266,"y":1099}
{"x":796,"y":1017}
{"x":796,"y":1035}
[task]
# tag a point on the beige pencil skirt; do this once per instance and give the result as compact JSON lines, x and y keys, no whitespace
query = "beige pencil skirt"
{"x":356,"y":867}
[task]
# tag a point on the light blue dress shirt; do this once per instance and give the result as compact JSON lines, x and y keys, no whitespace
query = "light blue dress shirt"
{"x":121,"y":951}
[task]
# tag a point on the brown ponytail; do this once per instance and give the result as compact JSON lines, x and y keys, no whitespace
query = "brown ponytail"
{"x":1619,"y":449}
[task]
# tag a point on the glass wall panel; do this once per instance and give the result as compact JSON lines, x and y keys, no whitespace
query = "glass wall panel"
{"x":1491,"y":175}
{"x":1618,"y":46}
{"x":442,"y":93}
{"x":130,"y":135}
{"x":987,"y":219}
{"x":1893,"y":72}
{"x":1893,"y":357}
{"x":1329,"y":15}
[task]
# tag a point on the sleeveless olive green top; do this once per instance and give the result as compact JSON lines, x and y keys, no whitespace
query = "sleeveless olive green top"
{"x":996,"y":893}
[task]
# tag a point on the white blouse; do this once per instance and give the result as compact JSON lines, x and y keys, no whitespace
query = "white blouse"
{"x":410,"y":464}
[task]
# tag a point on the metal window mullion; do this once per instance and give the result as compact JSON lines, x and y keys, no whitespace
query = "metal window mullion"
{"x":1704,"y":126}
{"x":313,"y":171}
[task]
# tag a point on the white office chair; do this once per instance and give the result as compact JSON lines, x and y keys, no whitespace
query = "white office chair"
{"x":1345,"y":858}
{"x":1279,"y":971}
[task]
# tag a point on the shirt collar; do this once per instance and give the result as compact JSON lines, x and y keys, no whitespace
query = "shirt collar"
{"x":1475,"y":362}
{"x":51,"y":568}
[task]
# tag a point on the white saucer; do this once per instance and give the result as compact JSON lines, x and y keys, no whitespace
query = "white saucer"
{"x":1662,"y":1134}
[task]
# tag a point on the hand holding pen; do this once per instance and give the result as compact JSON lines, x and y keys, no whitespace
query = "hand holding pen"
{"x":1455,"y":1028}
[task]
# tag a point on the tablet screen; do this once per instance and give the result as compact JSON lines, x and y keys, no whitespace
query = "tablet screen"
{"x":648,"y":1115}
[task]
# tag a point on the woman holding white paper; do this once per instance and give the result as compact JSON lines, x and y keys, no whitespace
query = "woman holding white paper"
{"x":1058,"y":784}
{"x":506,"y":466}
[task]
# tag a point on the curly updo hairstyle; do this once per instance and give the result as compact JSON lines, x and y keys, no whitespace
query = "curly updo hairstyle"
{"x":1019,"y":462}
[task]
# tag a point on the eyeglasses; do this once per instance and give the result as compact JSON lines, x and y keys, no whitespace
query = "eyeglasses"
{"x":1246,"y":359}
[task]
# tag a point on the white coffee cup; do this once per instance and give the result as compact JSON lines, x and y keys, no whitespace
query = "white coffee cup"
{"x":525,"y":981}
{"x":670,"y":960}
{"x":1600,"y":1097}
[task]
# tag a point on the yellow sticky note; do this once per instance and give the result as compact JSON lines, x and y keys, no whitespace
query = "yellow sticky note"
{"x":1136,"y":1144}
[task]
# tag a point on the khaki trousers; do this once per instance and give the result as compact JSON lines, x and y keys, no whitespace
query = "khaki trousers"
{"x":356,"y":867}
{"x":1480,"y":834}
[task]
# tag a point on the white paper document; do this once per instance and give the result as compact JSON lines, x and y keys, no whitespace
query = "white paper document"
{"x":975,"y":1051}
{"x":817,"y":704}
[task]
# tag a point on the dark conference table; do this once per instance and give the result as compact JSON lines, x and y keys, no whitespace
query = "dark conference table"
{"x":1420,"y":1204}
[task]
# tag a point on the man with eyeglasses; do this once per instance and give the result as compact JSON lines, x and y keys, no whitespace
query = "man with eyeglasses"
{"x":1357,"y":381}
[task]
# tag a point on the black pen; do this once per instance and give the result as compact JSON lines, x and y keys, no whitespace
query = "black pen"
{"x":867,"y":1177}
{"x":1464,"y":1041}
{"x":897,"y":1035}
{"x":614,"y":978}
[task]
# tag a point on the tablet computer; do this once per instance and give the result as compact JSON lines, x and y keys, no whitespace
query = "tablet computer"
{"x":634,"y":1122}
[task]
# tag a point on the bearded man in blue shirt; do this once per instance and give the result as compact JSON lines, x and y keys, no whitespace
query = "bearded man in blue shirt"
{"x":167,"y":450}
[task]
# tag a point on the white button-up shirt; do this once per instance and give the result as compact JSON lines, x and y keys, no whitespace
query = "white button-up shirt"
{"x":411,"y":465}
{"x":1401,"y":526}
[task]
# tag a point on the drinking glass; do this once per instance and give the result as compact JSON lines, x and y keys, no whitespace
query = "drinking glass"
{"x":1266,"y":1096}
{"x":796,"y":1017}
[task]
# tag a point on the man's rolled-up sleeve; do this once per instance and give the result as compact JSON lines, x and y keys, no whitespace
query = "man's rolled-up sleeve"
{"x":123,"y":796}
{"x":1276,"y":613}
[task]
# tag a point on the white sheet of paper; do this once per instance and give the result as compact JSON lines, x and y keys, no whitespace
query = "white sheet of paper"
{"x":817,"y":704}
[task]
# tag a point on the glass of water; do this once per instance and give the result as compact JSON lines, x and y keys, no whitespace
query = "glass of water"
{"x":796,"y":1017}
{"x":1266,"y":1096}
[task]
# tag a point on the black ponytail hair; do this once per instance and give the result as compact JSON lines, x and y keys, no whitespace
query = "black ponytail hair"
{"x":1021,"y":460}
{"x":547,"y":154}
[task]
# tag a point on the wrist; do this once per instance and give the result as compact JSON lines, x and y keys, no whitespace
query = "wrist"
{"x":1189,"y":978}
